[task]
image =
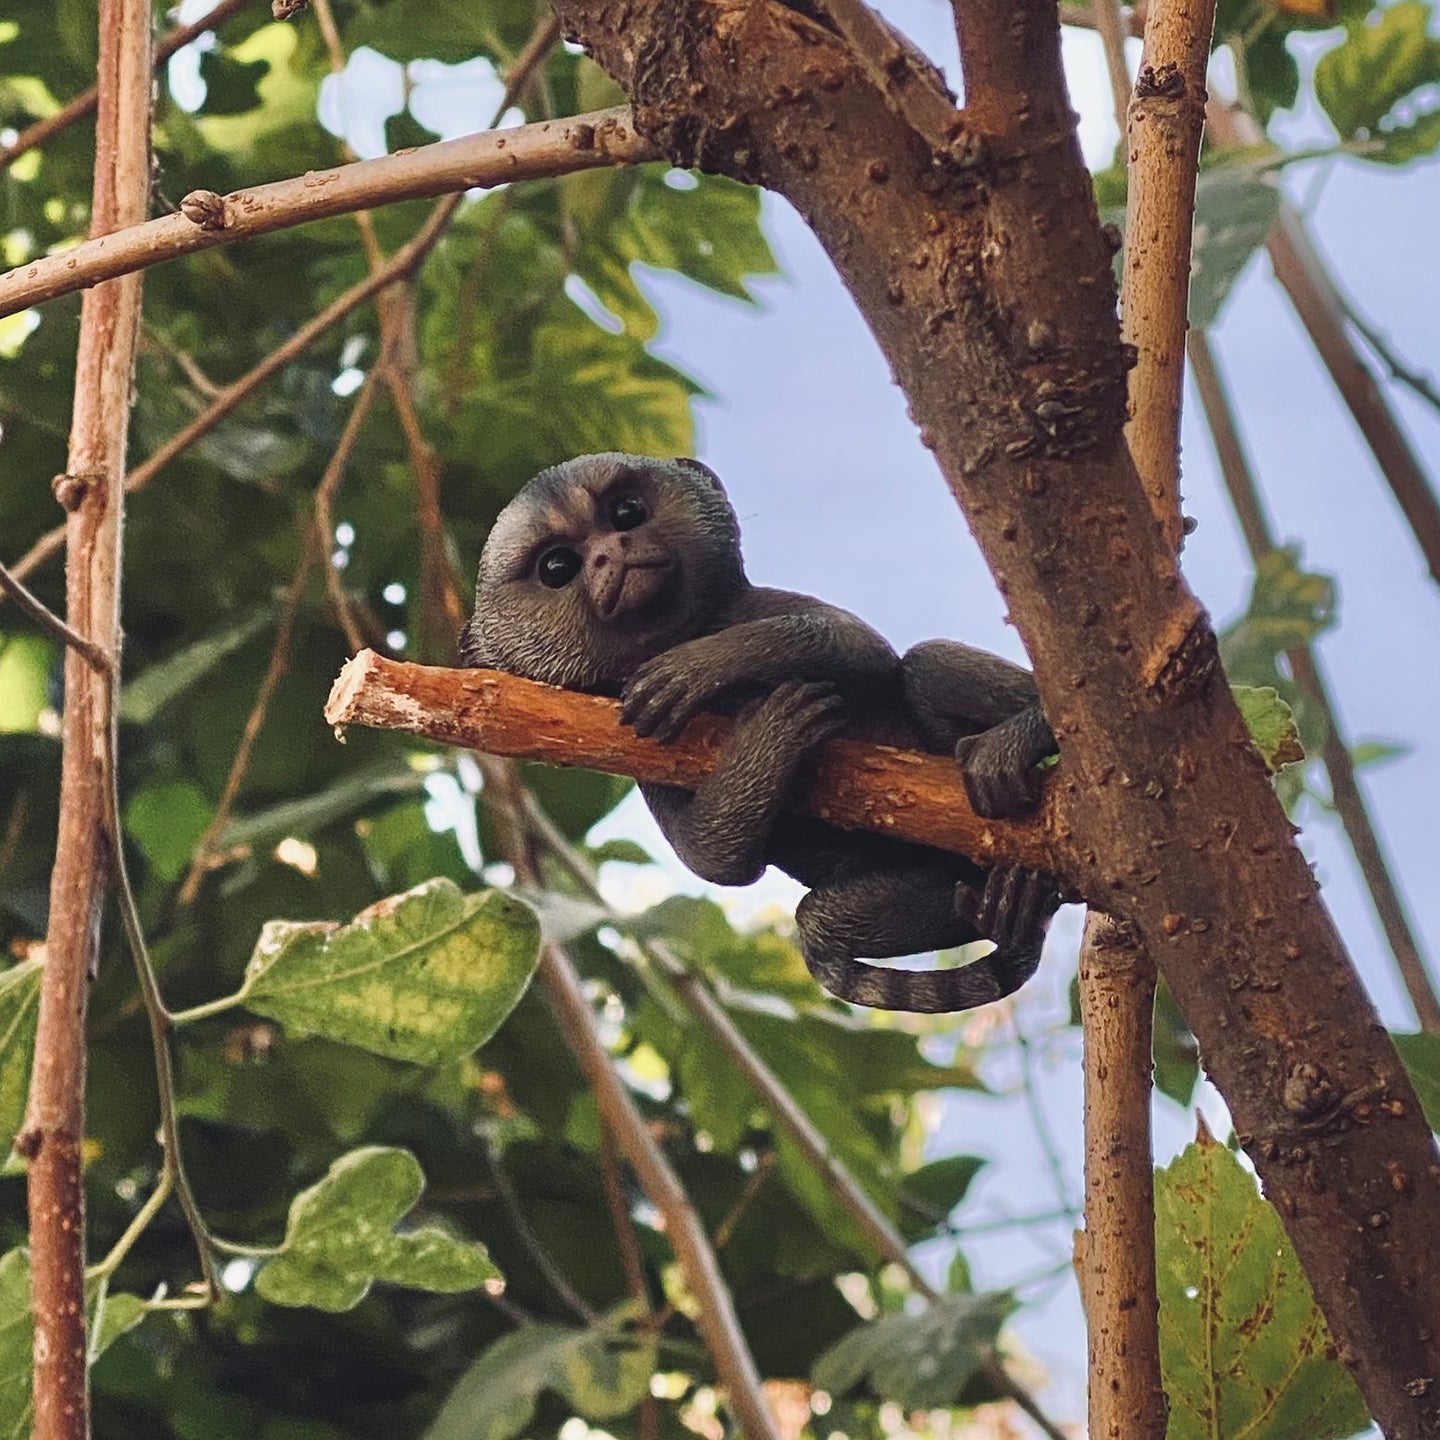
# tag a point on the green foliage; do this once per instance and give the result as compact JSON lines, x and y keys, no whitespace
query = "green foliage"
{"x":1375,"y":84}
{"x":920,"y":1361}
{"x":341,"y":1239}
{"x":1271,"y":724}
{"x":601,"y":1371}
{"x":1242,"y":1345}
{"x":1420,"y":1055}
{"x":426,"y":976}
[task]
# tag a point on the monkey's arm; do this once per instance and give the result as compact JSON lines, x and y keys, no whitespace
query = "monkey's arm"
{"x":772,"y":636}
{"x":988,"y":712}
{"x":722,"y":831}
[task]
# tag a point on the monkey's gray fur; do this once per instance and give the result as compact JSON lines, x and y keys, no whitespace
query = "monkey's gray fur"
{"x":620,"y":575}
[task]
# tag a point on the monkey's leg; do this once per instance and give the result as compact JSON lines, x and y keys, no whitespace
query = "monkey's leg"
{"x":722,"y":831}
{"x":886,"y":913}
{"x":984,"y":709}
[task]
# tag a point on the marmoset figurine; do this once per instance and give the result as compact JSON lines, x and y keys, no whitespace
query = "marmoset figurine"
{"x":620,"y":575}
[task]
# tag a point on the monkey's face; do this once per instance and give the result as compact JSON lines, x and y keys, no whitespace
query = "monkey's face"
{"x":600,"y":563}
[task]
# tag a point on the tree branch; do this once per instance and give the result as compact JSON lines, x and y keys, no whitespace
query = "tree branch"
{"x":1305,"y":278}
{"x":871,"y":787}
{"x":1345,"y":791}
{"x":55,"y":1116}
{"x":993,"y":303}
{"x":528,"y":152}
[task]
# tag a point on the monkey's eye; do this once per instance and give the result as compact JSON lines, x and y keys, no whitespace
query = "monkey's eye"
{"x":558,"y":567}
{"x":627,"y":513}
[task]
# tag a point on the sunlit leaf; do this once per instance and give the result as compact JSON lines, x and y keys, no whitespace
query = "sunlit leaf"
{"x":603,"y":1372}
{"x":425,"y":976}
{"x":341,"y":1238}
{"x":919,"y":1361}
{"x":1271,"y":724}
{"x":1243,"y":1347}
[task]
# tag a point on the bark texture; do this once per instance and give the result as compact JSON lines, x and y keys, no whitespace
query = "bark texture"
{"x":858,"y":787}
{"x":92,"y":490}
{"x":986,"y":280}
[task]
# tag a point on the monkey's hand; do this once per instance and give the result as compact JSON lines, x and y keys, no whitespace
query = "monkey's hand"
{"x":666,"y":693}
{"x":998,"y":765}
{"x":1013,"y":908}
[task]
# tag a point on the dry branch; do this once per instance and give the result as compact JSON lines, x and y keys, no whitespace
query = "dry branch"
{"x":93,"y":487}
{"x":495,"y":157}
{"x":856,"y":786}
{"x":994,"y":306}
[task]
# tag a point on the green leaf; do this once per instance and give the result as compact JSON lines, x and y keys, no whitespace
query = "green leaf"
{"x":1288,"y":607}
{"x":1176,"y":1054}
{"x":1235,"y":209}
{"x":426,"y":976}
{"x":166,"y":821}
{"x":929,"y":1194}
{"x":110,"y":1317}
{"x":340,"y":1238}
{"x":1420,"y":1055}
{"x":920,"y":1362}
{"x":1376,"y":752}
{"x":624,"y":852}
{"x":603,"y":1372}
{"x":144,"y":697}
{"x":231,"y":85}
{"x":1271,"y":724}
{"x":1379,"y":67}
{"x":1243,"y":1347}
{"x":19,"y":1008}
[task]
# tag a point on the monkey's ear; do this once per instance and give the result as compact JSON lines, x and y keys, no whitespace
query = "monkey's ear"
{"x":704,"y":471}
{"x":473,"y":652}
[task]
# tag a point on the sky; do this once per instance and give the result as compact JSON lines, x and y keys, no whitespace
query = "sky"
{"x":837,"y":497}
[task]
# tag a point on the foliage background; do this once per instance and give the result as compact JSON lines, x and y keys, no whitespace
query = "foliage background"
{"x":539,"y":339}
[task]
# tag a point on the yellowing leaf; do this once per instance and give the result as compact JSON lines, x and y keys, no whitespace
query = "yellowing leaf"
{"x":1243,"y":1348}
{"x":425,"y":976}
{"x":340,"y":1238}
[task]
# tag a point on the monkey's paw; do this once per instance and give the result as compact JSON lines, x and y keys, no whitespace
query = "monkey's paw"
{"x":1014,"y":906}
{"x":792,"y":719}
{"x":999,"y":782}
{"x":665,"y":694}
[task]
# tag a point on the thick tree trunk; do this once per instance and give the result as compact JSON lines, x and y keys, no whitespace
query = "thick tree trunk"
{"x":987,"y":282}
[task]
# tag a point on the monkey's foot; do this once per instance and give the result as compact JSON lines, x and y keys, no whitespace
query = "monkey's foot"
{"x":1013,"y":908}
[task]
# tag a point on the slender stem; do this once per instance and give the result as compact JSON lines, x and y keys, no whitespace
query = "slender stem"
{"x":1407,"y":375}
{"x":1111,"y":27}
{"x":135,"y":1229}
{"x":93,"y":490}
{"x":52,"y":624}
{"x":159,"y":1020}
{"x":207,"y":1010}
{"x":1349,"y":799}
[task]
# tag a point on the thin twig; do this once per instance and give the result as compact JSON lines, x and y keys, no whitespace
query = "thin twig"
{"x":156,"y":1015}
{"x":255,"y":721}
{"x":84,"y":103}
{"x":1111,"y":28}
{"x":593,"y":141}
{"x":1345,"y":791}
{"x":325,"y":496}
{"x":1038,"y":1119}
{"x":1417,"y":380}
{"x":402,"y":263}
{"x":51,"y":623}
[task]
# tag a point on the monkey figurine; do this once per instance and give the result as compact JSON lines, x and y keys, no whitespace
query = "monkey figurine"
{"x":618,"y":575}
